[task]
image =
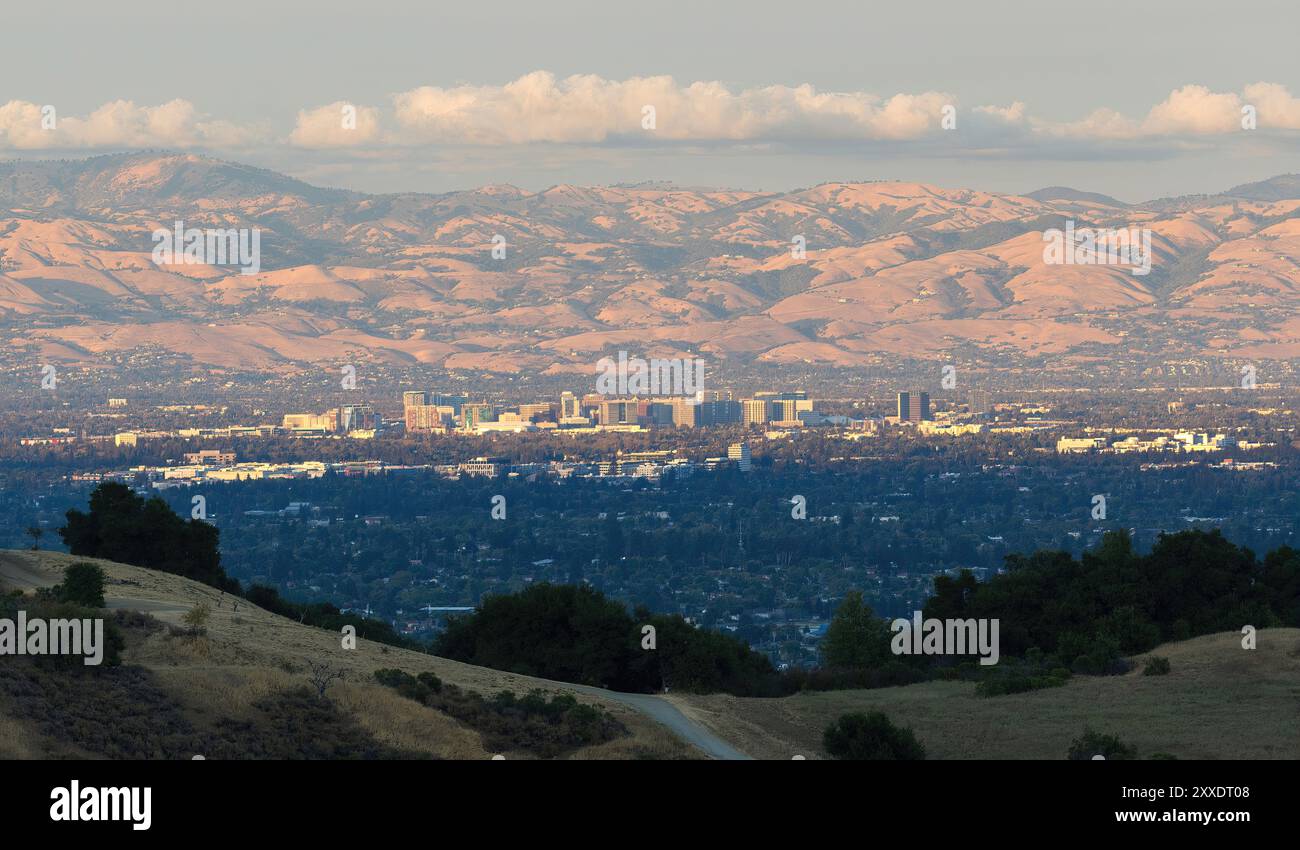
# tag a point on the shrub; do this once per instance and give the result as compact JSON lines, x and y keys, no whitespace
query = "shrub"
{"x":1018,"y":683}
{"x":870,"y":737}
{"x":1156,"y":666}
{"x":83,"y":584}
{"x":1021,"y":677}
{"x":531,"y":723}
{"x":1091,"y":744}
{"x":197,"y":618}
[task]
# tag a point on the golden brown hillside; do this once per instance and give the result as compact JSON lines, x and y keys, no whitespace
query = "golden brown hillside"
{"x":249,"y":654}
{"x":1218,"y":701}
{"x":889,"y":269}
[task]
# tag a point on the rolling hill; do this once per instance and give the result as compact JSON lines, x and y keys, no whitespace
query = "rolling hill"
{"x":217,"y":688}
{"x":1218,"y":701}
{"x":891,"y":270}
{"x":251,"y":657}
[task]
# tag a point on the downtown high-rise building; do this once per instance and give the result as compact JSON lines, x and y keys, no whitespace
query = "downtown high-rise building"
{"x":357,"y":417}
{"x":739,"y":453}
{"x":570,"y":406}
{"x":913,"y":407}
{"x":471,"y":415}
{"x":756,"y":411}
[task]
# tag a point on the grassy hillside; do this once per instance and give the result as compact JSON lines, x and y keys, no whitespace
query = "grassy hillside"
{"x":234,"y":686}
{"x":1219,"y":701}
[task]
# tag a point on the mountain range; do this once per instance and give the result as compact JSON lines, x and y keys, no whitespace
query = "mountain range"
{"x":888,"y":271}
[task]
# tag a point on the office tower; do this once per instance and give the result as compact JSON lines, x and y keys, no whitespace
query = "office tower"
{"x":913,"y":407}
{"x":718,"y":412}
{"x":784,"y":410}
{"x":456,"y":402}
{"x":755,"y":411}
{"x":739,"y":452}
{"x":472,"y":414}
{"x":684,"y":412}
{"x":427,"y":417}
{"x":620,"y":412}
{"x":569,"y":406}
{"x":418,"y":413}
{"x":537,"y":412}
{"x":980,"y":404}
{"x":323,"y":422}
{"x":357,"y":417}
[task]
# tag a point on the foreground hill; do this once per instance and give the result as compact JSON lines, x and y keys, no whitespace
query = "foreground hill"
{"x":892,"y":269}
{"x":1219,"y":701}
{"x":249,"y":656}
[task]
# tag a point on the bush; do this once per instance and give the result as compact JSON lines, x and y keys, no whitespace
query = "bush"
{"x":1019,"y":683}
{"x":1102,"y":658}
{"x":870,"y":737}
{"x":197,"y":618}
{"x":531,"y":723}
{"x":1156,"y":666}
{"x":1018,"y":677}
{"x":83,"y":584}
{"x":1091,"y":744}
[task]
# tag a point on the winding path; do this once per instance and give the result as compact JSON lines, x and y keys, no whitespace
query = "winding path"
{"x":667,"y":714}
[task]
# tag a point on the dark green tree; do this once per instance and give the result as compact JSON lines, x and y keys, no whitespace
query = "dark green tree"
{"x":856,"y":638}
{"x":83,"y":584}
{"x":122,"y":526}
{"x":870,"y":737}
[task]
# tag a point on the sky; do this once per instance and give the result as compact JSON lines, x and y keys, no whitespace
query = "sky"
{"x":1135,"y":100}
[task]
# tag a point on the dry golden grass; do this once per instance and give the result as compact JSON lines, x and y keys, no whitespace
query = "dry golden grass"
{"x":649,"y":741}
{"x":248,"y":652}
{"x":406,"y":724}
{"x":1219,"y":701}
{"x":18,"y":740}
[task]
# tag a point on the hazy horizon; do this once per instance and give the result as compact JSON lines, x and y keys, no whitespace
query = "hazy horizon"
{"x":1136,"y":103}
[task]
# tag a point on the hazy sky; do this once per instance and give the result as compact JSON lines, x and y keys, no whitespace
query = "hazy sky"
{"x":1133,"y":99}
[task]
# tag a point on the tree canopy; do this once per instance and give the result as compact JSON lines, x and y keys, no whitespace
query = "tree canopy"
{"x":125,"y":527}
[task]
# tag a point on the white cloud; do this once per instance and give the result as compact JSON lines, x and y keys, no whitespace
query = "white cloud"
{"x":587,"y":109}
{"x":339,"y":124}
{"x":119,"y":123}
{"x":1194,"y":111}
{"x":1275,"y":105}
{"x":1013,"y":114}
{"x":591,"y":110}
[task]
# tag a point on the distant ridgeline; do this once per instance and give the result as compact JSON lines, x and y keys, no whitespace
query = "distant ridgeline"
{"x":124,"y":527}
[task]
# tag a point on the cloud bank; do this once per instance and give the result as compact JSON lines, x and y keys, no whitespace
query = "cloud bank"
{"x":588,"y":110}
